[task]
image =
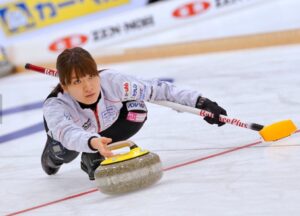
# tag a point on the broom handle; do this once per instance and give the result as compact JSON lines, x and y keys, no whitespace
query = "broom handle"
{"x":204,"y":113}
{"x":42,"y":70}
{"x":176,"y":106}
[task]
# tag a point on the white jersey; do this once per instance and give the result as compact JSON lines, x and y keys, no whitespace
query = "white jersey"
{"x":73,"y":126}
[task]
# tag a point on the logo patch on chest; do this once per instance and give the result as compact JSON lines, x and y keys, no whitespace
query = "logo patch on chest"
{"x":87,"y":124}
{"x":109,"y":115}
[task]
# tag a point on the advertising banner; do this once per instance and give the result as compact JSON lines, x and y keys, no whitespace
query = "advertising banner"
{"x":102,"y":34}
{"x":21,"y":16}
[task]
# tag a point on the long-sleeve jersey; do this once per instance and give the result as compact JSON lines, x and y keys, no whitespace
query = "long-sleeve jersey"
{"x":73,"y":126}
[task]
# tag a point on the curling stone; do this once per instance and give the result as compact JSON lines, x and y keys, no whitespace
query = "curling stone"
{"x":129,"y":171}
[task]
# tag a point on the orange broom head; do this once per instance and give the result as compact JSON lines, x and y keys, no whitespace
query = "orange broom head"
{"x":278,"y":130}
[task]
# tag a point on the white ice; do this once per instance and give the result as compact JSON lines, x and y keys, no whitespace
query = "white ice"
{"x":258,"y":85}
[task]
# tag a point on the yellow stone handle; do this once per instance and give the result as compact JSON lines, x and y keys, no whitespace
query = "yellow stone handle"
{"x":122,"y":144}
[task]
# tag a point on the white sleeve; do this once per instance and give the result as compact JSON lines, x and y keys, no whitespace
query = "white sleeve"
{"x":126,"y":88}
{"x":63,"y":129}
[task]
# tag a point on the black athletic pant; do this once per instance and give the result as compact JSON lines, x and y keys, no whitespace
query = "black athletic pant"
{"x":124,"y":128}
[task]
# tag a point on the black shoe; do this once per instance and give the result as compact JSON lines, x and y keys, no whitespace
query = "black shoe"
{"x":90,"y":162}
{"x":50,"y":162}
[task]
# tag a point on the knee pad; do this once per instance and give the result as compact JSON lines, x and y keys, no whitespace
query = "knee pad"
{"x":60,"y":153}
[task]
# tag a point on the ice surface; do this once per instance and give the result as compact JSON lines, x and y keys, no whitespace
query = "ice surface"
{"x":259,"y":85}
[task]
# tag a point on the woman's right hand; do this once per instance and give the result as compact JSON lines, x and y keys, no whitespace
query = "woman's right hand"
{"x":101,"y":145}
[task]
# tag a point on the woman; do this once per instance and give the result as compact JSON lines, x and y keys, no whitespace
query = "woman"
{"x":90,"y":109}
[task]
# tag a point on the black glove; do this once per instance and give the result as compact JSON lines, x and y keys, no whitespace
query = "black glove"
{"x":213,"y":107}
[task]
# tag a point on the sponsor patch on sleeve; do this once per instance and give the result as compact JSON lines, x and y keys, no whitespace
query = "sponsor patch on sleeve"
{"x":136,"y":117}
{"x":126,"y":90}
{"x":136,"y":105}
{"x":131,"y":90}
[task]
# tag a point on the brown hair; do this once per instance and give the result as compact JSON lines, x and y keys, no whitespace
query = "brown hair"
{"x":78,"y":60}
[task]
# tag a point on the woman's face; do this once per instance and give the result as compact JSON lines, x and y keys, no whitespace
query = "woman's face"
{"x":85,"y":89}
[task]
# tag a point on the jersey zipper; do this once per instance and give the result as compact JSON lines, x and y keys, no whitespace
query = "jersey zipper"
{"x":97,"y":119}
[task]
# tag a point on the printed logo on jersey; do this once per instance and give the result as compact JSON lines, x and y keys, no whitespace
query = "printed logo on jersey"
{"x":142,"y":93}
{"x":191,"y":9}
{"x":134,"y":90}
{"x":109,"y":115}
{"x":126,"y":90}
{"x":136,"y":117}
{"x":67,"y":116}
{"x":87,"y":124}
{"x":136,"y":105}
